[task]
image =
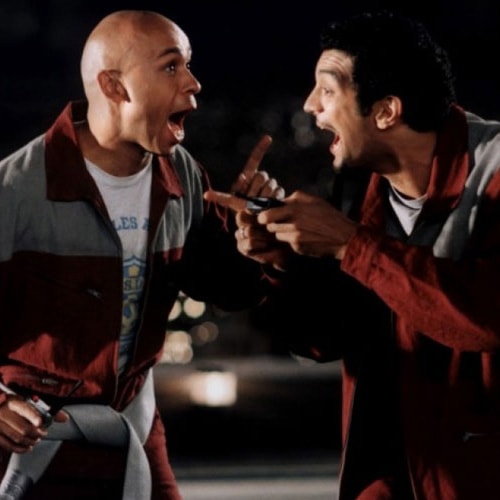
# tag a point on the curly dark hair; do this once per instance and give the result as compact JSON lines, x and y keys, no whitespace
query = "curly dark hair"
{"x":396,"y":55}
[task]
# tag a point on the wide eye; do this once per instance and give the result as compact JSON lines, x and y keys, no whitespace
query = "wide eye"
{"x":170,"y":68}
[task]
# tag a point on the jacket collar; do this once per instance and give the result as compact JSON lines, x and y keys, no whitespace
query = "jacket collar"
{"x":67,"y":176}
{"x":449,"y":171}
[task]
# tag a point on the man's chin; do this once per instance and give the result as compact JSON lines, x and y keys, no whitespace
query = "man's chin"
{"x":338,"y":166}
{"x":163,"y":149}
{"x":174,"y":140}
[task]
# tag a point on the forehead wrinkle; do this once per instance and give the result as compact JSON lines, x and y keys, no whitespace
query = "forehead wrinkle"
{"x":337,"y":65}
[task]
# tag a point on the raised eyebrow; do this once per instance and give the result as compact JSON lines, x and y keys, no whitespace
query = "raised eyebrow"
{"x":174,"y":50}
{"x":340,"y":77}
{"x":331,"y":72}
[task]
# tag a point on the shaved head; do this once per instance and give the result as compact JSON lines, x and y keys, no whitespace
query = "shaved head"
{"x":114,"y":44}
{"x":136,"y":75}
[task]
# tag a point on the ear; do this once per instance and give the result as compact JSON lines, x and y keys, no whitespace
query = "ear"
{"x":111,"y":86}
{"x":388,"y":111}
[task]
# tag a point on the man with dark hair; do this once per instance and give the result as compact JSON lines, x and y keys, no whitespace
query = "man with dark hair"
{"x":405,"y":259}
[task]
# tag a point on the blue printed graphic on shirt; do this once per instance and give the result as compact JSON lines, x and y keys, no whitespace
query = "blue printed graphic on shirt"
{"x":133,"y":283}
{"x":133,"y":234}
{"x":130,"y":223}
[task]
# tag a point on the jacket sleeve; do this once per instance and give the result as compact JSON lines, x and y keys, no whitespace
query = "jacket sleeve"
{"x":454,"y":302}
{"x":318,"y":312}
{"x":213,"y":270}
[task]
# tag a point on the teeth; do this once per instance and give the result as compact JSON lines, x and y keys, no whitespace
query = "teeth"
{"x":175,"y":125}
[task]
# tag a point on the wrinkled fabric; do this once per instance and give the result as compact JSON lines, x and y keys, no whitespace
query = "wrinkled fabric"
{"x":415,"y":321}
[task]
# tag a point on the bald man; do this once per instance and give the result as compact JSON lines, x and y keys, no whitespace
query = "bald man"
{"x":102,"y":224}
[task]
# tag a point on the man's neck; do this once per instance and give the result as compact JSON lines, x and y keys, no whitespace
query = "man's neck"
{"x":121,"y":161}
{"x":414,"y":166}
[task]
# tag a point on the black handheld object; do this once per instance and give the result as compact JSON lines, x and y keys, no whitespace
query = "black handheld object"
{"x":47,"y":412}
{"x":257,"y":204}
{"x":16,"y":483}
{"x":42,"y":408}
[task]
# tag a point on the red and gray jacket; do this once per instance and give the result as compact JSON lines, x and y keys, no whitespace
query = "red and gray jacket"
{"x":61,"y":267}
{"x":416,"y":322}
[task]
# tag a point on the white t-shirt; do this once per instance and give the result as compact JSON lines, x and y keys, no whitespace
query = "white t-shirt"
{"x":127,"y":201}
{"x":406,"y":209}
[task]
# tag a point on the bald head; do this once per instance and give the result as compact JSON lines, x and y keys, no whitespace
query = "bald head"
{"x":118,"y":42}
{"x":137,"y":79}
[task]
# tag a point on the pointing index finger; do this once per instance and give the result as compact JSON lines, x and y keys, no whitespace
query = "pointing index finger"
{"x":225,"y":200}
{"x":255,"y":157}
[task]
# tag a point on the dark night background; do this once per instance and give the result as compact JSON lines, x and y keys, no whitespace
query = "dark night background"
{"x":255,"y":61}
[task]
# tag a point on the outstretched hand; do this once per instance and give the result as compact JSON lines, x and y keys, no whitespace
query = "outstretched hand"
{"x":253,"y":240}
{"x":310,"y":225}
{"x":250,"y":182}
{"x":254,"y":182}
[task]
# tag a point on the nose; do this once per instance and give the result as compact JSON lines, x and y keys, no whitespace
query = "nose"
{"x":311,"y":103}
{"x":194,"y":85}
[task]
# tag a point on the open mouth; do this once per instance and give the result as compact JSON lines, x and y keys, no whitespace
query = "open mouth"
{"x":176,"y":124}
{"x":335,"y":141}
{"x":328,"y":133}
